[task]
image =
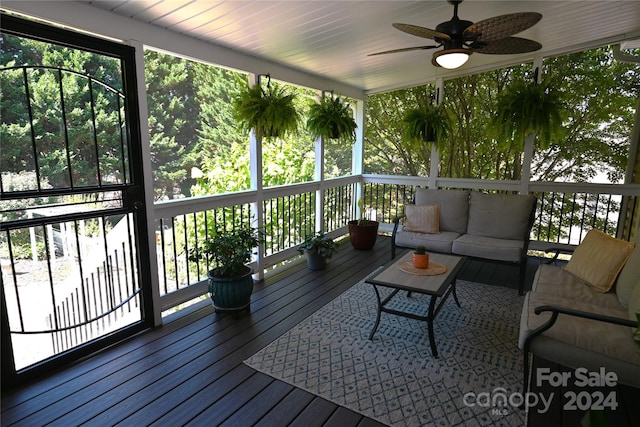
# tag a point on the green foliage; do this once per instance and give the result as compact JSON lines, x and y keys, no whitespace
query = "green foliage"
{"x":271,"y":111}
{"x":73,"y":147}
{"x":332,"y":118}
{"x":228,"y":251}
{"x":420,"y":250}
{"x":319,"y":243}
{"x":428,"y":123}
{"x":386,"y":151}
{"x":172,"y":103}
{"x":599,"y":96}
{"x":525,"y":107}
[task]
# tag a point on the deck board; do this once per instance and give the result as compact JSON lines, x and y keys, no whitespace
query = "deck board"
{"x":190,"y":370}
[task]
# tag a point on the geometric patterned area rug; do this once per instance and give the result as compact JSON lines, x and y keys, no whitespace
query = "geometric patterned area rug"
{"x":394,"y":378}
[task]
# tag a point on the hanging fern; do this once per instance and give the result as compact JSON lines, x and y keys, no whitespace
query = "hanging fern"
{"x":271,"y":111}
{"x":331,"y":118}
{"x":525,"y":107}
{"x":428,"y":123}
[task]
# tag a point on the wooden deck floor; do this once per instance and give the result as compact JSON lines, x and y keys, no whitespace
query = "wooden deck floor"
{"x":190,"y":371}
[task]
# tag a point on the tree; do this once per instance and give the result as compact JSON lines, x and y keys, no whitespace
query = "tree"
{"x":171,"y":97}
{"x":386,"y":151}
{"x":600,"y":95}
{"x":75,"y":118}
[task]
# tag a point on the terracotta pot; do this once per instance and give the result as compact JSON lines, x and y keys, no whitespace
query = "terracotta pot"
{"x":363,"y":236}
{"x":421,"y":260}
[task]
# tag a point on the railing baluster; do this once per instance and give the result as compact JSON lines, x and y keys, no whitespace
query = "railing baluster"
{"x":606,"y":216}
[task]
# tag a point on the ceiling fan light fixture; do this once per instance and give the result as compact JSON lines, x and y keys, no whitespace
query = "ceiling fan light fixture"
{"x":451,"y":58}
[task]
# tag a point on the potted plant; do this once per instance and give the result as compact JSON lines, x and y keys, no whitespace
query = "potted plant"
{"x":427,"y":123}
{"x":420,"y":257}
{"x":363,"y":232}
{"x":332,"y":118}
{"x":524,"y":107}
{"x":271,"y":111}
{"x":228,"y":252}
{"x":318,"y":248}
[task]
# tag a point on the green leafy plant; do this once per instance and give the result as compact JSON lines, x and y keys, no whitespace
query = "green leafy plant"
{"x":420,"y":250}
{"x":319,"y":243}
{"x":332,"y":117}
{"x":270,"y":111}
{"x":427,"y":123}
{"x":228,"y":251}
{"x":524,"y":107}
{"x":362,"y":220}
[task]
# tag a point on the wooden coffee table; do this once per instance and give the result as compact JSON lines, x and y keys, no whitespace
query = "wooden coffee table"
{"x":438,"y":286}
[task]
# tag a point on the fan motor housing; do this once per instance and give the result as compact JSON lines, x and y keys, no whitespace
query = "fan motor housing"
{"x":455,"y":29}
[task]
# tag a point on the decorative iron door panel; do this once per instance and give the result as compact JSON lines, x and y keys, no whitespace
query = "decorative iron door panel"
{"x":73,"y":241}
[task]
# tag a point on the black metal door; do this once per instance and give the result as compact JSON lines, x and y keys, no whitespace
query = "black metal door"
{"x":73,"y":235}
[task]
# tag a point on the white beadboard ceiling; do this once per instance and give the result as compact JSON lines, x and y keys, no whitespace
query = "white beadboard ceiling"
{"x":333,"y":38}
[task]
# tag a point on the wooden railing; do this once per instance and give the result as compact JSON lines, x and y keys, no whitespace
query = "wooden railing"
{"x":564,"y":214}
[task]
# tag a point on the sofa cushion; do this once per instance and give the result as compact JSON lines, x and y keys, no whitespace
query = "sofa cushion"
{"x":422,"y":218}
{"x":500,"y":216}
{"x":488,"y":248}
{"x":454,"y":207}
{"x":629,"y":277}
{"x":598,"y":259}
{"x":440,"y":242}
{"x":557,"y":282}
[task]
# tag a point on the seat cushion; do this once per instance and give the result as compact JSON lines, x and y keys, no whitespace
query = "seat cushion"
{"x":499,"y":215}
{"x":440,"y":242}
{"x":578,"y":342}
{"x":488,"y":247}
{"x":454,"y":207}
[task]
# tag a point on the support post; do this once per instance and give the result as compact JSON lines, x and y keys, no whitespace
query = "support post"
{"x":529,"y":142}
{"x":357,"y":162}
{"x":434,"y":161}
{"x":255,"y":171}
{"x":148,"y":180}
{"x":319,"y":176}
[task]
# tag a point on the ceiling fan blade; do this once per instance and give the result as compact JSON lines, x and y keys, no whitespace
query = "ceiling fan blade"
{"x":426,"y":33}
{"x":500,"y":27}
{"x":406,"y":49}
{"x":506,"y":46}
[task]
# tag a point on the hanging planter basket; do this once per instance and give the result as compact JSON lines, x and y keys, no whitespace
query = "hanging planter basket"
{"x":269,"y":110}
{"x":428,"y":124}
{"x":331,"y":118}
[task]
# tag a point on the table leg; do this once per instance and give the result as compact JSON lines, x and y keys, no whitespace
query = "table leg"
{"x":455,"y":294}
{"x":375,"y":326}
{"x":432,"y":340}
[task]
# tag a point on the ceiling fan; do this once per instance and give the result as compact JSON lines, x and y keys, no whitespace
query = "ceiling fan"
{"x":461,"y":38}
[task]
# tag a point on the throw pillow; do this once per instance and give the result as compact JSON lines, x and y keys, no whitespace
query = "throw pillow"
{"x":422,"y":219}
{"x":598,"y":259}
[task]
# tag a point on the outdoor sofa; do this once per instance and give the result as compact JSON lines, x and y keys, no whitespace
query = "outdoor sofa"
{"x":494,"y":227}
